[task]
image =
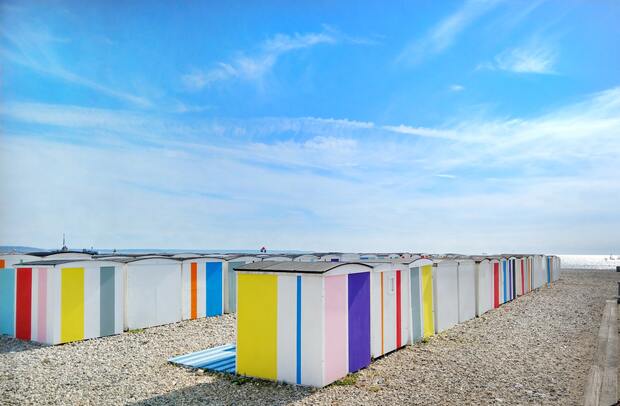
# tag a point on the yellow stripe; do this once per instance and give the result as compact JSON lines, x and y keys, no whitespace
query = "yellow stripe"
{"x":72,"y":305}
{"x":257,"y":315}
{"x":427,"y":300}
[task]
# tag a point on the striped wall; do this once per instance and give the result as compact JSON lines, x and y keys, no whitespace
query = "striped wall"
{"x":203,"y":289}
{"x":56,"y":305}
{"x":422,"y":322}
{"x":302,"y":329}
{"x":390,"y":310}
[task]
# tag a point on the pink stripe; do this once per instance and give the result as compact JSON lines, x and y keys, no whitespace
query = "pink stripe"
{"x":336,"y":365}
{"x":42,"y":306}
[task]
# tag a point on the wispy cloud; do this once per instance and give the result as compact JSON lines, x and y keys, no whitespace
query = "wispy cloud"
{"x":532,"y":58}
{"x":34,"y":47}
{"x":470,"y":175}
{"x":252,"y":67}
{"x":446,"y":32}
{"x":456,"y":88}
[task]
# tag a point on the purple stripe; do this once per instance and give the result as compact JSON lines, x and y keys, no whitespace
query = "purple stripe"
{"x":359,"y":321}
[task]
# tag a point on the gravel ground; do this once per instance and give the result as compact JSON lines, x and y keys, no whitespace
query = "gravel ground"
{"x":536,"y":350}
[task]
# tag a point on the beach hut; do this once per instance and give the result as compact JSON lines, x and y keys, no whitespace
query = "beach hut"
{"x":422,"y":312}
{"x":505,"y":276}
{"x":306,"y":258}
{"x":466,"y":282}
{"x":203,"y":282}
{"x":445,"y":294}
{"x":59,"y":301}
{"x":153,"y":291}
{"x":495,"y":265}
{"x":66,"y":254}
{"x":539,"y":271}
{"x":304,"y":323}
{"x":512,"y":277}
{"x":230,"y":262}
{"x":7,"y":290}
{"x":278,"y":258}
{"x":485,"y":286}
{"x":330,"y":257}
{"x":366,"y":257}
{"x":389,"y":303}
{"x":557,"y":266}
{"x":349,"y":257}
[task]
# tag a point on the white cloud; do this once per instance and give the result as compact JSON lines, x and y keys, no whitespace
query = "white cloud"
{"x":314,"y":183}
{"x":531,"y":58}
{"x":457,"y":88}
{"x":254,"y":67}
{"x":446,"y":32}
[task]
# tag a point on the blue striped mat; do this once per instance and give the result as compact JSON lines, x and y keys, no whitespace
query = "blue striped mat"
{"x":220,"y":359}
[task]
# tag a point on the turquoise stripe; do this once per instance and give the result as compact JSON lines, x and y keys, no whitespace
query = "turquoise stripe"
{"x":7,"y":301}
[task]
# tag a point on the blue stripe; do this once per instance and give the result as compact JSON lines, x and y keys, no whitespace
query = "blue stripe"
{"x":298,"y":329}
{"x":213,"y":279}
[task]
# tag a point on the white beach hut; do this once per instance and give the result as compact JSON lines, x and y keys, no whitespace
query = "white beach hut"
{"x":484,"y":285}
{"x":445,"y":294}
{"x":153,"y":291}
{"x":306,"y":258}
{"x":466,"y":288}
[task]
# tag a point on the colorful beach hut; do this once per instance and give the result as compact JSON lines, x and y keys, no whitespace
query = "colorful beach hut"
{"x":59,"y":301}
{"x":445,"y":294}
{"x":304,"y":323}
{"x":495,"y":264}
{"x":203,"y":282}
{"x":153,"y":291}
{"x":466,"y":282}
{"x":389,"y":303}
{"x":7,"y":290}
{"x":230,"y":262}
{"x":422,"y":312}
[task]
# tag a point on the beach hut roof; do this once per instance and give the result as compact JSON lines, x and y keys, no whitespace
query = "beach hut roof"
{"x":145,"y":258}
{"x":295,"y":267}
{"x":52,"y":262}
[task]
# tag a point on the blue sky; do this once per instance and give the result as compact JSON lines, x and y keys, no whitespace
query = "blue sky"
{"x":476,"y":126}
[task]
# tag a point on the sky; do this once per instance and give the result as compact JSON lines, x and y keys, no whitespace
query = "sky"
{"x":481,"y":126}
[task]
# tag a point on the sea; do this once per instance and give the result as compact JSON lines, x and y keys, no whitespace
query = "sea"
{"x":590,"y":261}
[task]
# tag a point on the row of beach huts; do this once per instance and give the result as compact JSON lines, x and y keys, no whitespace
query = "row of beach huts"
{"x":306,"y":319}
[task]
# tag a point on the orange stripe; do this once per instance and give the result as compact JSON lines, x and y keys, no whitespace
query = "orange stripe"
{"x":194,"y":291}
{"x":1,"y":263}
{"x":382,"y":313}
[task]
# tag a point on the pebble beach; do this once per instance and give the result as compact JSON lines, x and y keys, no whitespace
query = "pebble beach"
{"x":534,"y":350}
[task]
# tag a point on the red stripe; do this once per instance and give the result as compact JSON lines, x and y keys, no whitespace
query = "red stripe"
{"x":23,"y":303}
{"x":496,"y":285}
{"x":398,"y":331}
